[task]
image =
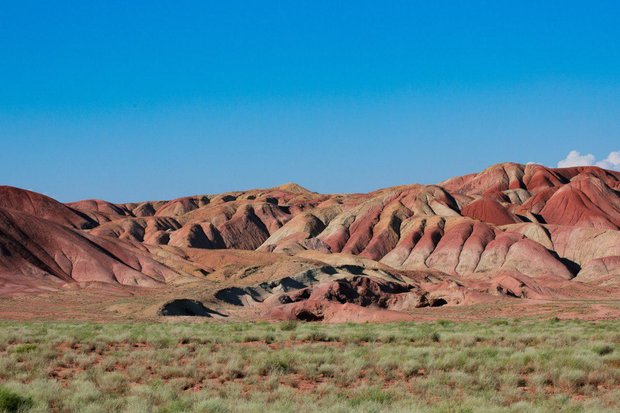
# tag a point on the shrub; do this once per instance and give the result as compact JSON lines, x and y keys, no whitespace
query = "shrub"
{"x":604,"y":350}
{"x":371,"y":395}
{"x":12,"y":402}
{"x":288,"y":325}
{"x":318,"y":336}
{"x":276,"y":363}
{"x":24,"y":348}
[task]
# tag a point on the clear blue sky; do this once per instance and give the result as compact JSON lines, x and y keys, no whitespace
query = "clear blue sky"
{"x":134,"y":100}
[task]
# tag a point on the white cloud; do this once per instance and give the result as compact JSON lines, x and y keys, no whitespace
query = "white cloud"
{"x":611,"y":162}
{"x":574,"y":158}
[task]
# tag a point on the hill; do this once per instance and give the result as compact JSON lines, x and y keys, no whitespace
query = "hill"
{"x":511,"y":232}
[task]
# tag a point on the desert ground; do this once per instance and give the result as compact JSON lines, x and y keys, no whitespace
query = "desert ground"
{"x":501,"y":365}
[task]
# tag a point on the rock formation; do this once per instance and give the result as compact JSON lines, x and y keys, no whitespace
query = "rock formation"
{"x":516,"y":231}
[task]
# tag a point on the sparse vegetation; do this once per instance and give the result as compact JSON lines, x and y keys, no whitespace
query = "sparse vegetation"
{"x":500,"y":365}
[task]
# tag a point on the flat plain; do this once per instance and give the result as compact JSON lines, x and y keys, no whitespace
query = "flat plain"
{"x":189,"y":365}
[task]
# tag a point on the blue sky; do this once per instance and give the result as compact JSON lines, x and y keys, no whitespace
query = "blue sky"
{"x":138,"y":100}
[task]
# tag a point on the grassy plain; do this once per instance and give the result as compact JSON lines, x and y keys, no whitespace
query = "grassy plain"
{"x":513,"y":365}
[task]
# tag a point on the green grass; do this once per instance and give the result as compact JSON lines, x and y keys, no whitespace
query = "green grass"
{"x":12,"y":402}
{"x":491,"y":366}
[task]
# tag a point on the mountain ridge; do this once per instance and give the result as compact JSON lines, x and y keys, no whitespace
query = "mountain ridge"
{"x":510,"y":230}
